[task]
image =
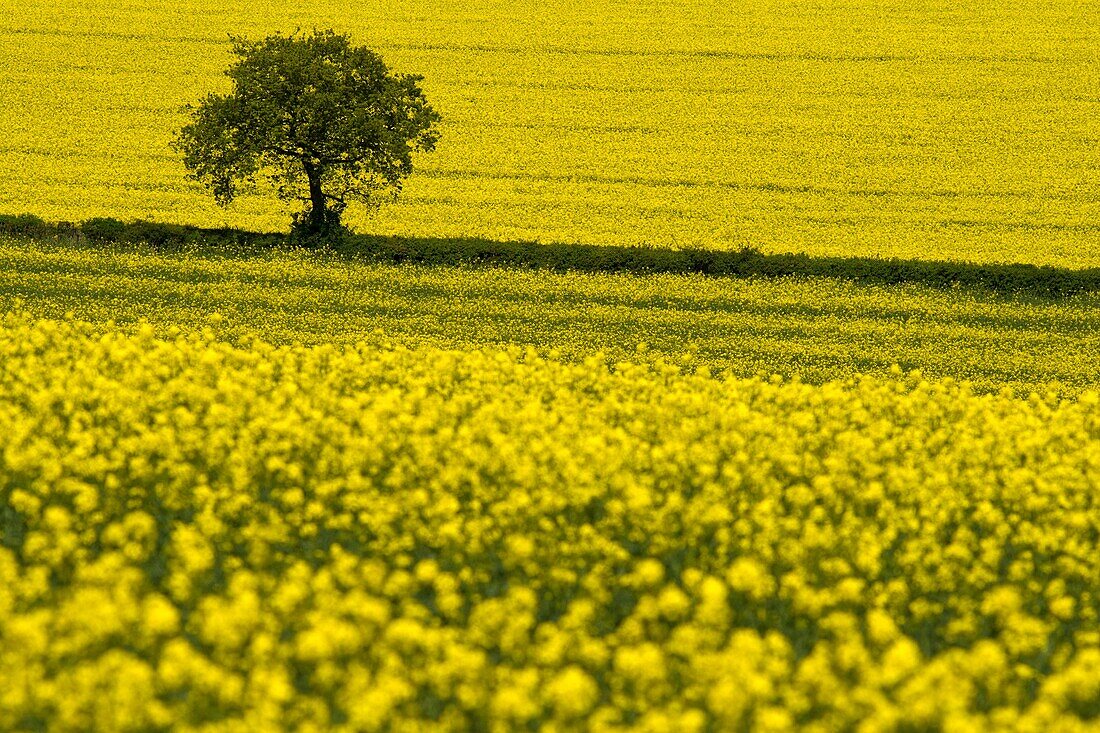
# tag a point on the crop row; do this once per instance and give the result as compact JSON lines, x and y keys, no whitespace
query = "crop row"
{"x":819,"y":329}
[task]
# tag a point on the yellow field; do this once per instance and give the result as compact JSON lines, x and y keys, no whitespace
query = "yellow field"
{"x":818,"y":329}
{"x":930,"y":129}
{"x":254,"y":491}
{"x":203,"y":537}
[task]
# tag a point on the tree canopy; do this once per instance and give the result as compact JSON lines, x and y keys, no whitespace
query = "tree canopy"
{"x":322,"y":120}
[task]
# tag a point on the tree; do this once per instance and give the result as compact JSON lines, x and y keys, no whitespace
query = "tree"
{"x":325,"y":122}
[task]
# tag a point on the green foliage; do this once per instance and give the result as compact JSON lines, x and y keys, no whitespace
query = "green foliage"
{"x":154,"y":234}
{"x":103,"y":229}
{"x":324,"y":230}
{"x":22,"y":225}
{"x":324,"y":122}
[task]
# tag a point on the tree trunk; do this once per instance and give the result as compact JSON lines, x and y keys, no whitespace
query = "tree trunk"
{"x":317,"y":211}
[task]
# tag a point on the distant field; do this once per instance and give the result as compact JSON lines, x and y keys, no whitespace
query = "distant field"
{"x":819,"y":329}
{"x":923,"y":128}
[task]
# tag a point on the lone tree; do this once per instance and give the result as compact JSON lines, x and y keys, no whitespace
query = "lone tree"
{"x":324,"y":121}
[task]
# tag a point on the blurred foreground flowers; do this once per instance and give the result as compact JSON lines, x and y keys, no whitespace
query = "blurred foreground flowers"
{"x":197,"y":536}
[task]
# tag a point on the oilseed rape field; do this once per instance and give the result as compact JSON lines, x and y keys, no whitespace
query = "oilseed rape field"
{"x":249,"y":487}
{"x":817,"y":329}
{"x":925,"y":128}
{"x":200,"y":536}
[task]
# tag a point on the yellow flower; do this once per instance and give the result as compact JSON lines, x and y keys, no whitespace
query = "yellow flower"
{"x":572,"y":692}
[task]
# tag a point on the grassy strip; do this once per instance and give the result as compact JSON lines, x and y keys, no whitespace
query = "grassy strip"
{"x":818,"y":328}
{"x":1008,"y":279}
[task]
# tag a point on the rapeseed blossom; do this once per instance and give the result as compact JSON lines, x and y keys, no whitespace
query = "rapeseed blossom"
{"x":196,"y":534}
{"x":831,"y":128}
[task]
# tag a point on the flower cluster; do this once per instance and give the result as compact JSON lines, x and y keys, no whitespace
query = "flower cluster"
{"x":201,"y":536}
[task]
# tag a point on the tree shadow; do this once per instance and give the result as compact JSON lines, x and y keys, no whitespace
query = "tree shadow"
{"x":1040,"y":281}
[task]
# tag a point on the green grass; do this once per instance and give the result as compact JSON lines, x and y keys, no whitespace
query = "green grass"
{"x":816,"y":328}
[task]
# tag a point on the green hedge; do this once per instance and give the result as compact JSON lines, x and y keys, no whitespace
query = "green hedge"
{"x":1042,"y":281}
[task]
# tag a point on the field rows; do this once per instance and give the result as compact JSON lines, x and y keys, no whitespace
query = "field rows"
{"x":963,"y":134}
{"x":818,"y":329}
